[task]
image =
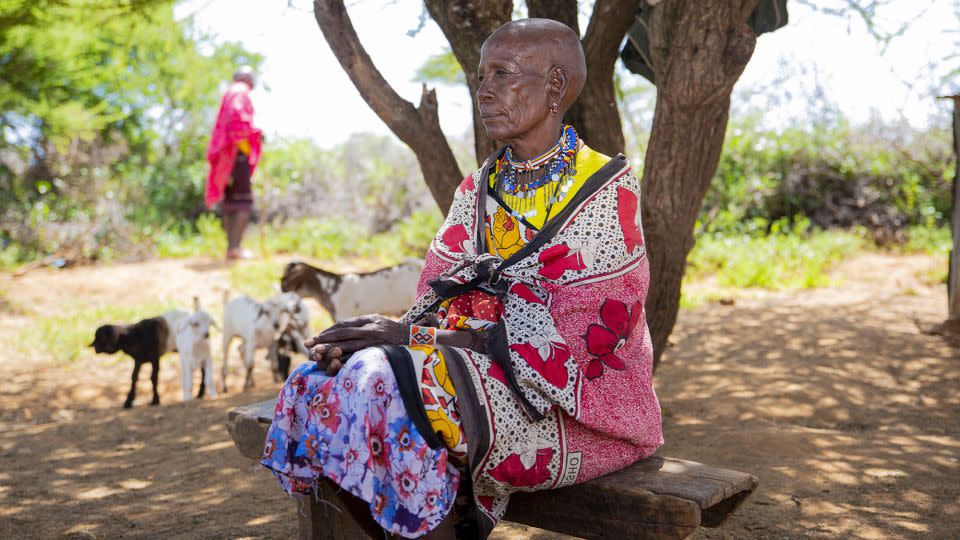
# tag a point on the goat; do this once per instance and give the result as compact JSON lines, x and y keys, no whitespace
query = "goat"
{"x":290,"y":342}
{"x":144,"y":341}
{"x":258,"y":325}
{"x":390,"y":290}
{"x":192,"y":338}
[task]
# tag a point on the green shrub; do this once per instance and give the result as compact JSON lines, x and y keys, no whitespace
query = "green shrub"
{"x":787,"y":259}
{"x":931,"y":240}
{"x":208,"y":240}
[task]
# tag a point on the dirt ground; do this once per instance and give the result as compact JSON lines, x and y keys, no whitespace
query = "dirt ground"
{"x":848,"y":415}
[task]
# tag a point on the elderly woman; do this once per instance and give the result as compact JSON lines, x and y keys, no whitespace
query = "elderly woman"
{"x":526,"y":362}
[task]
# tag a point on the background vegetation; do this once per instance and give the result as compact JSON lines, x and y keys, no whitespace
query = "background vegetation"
{"x":105,"y":122}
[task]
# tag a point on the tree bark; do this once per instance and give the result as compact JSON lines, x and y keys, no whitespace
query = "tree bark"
{"x":565,"y":11}
{"x":595,"y":114}
{"x":417,"y":126}
{"x":466,"y":24}
{"x":699,"y":49}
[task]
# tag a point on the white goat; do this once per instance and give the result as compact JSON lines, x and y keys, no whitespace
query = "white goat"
{"x":191,"y":335}
{"x":258,"y":325}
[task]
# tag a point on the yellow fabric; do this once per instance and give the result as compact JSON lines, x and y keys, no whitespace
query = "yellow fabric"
{"x":436,"y":383}
{"x":506,"y":235}
{"x":243,"y":145}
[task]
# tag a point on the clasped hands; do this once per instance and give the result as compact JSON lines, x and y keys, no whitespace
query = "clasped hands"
{"x":331,"y":348}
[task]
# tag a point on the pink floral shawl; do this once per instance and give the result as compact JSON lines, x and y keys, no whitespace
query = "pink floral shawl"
{"x":564,"y":393}
{"x":234,"y":123}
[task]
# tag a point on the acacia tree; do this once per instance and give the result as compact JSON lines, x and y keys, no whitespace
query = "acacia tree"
{"x":699,"y":49}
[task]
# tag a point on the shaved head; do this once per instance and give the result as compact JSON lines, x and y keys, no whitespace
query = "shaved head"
{"x":555,"y":43}
{"x":530,"y":73}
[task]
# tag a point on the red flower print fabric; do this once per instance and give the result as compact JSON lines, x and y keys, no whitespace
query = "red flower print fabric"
{"x":628,"y":205}
{"x":603,"y":341}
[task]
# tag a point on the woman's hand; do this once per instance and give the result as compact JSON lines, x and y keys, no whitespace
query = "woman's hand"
{"x":331,"y":348}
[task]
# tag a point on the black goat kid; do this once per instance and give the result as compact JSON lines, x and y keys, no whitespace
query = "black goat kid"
{"x":145,"y":341}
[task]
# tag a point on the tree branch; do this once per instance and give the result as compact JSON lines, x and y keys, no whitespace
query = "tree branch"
{"x":608,"y":25}
{"x":595,"y":114}
{"x":565,"y":11}
{"x":466,"y":24}
{"x":866,"y":10}
{"x":418,"y":127}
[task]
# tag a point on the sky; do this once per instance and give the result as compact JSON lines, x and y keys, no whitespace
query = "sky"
{"x":305,"y":93}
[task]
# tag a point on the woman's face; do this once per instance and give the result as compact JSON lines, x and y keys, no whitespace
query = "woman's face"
{"x":513,"y":96}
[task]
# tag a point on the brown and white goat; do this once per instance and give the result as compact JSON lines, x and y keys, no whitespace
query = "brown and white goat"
{"x":390,"y":291}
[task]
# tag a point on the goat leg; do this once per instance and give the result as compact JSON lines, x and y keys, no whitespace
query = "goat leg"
{"x":223,"y":367}
{"x":154,"y":378}
{"x":133,"y":384}
{"x":203,"y":383}
{"x":248,"y":351}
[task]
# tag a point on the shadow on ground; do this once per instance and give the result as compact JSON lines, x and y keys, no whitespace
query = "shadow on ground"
{"x":848,"y":415}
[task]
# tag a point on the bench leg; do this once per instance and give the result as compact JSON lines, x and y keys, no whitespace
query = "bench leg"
{"x":326,"y":517}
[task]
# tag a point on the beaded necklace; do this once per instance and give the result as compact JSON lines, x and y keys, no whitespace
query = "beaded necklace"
{"x":517,"y":182}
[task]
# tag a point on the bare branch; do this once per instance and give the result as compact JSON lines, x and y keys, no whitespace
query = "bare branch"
{"x":418,"y":127}
{"x":608,"y":24}
{"x":466,"y":25}
{"x":867,"y":11}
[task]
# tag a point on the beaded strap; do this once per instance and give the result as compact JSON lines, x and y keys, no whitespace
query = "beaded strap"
{"x":423,"y":335}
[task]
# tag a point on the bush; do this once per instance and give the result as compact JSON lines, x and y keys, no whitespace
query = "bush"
{"x":883,"y":178}
{"x":788,"y":258}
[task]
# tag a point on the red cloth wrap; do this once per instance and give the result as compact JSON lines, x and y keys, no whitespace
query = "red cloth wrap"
{"x":234,"y":124}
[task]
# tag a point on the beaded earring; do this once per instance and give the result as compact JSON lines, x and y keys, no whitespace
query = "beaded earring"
{"x":553,"y":108}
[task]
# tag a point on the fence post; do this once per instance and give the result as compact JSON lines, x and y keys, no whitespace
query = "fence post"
{"x":953,"y":279}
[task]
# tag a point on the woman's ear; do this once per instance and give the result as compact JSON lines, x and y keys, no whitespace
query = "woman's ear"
{"x":558,"y":82}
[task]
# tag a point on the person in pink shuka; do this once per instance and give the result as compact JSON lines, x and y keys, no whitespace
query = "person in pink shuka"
{"x":233,"y":155}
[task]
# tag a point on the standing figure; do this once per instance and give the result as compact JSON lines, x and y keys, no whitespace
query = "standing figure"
{"x":233,"y":155}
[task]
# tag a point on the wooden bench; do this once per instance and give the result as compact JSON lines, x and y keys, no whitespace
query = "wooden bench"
{"x":657,"y":497}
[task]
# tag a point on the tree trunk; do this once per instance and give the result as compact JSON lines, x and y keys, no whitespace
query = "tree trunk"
{"x":595,"y":114}
{"x":466,"y":24}
{"x":699,"y":49}
{"x":418,"y":127}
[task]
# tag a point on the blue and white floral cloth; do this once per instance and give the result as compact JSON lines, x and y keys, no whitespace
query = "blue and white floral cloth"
{"x":354,"y":429}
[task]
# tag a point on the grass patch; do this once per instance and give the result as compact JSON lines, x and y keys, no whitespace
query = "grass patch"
{"x":326,"y":240}
{"x":930,"y":240}
{"x":936,"y":275}
{"x":14,"y":255}
{"x":784,"y":260}
{"x":65,"y":337}
{"x":209,"y":240}
{"x":257,"y":279}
